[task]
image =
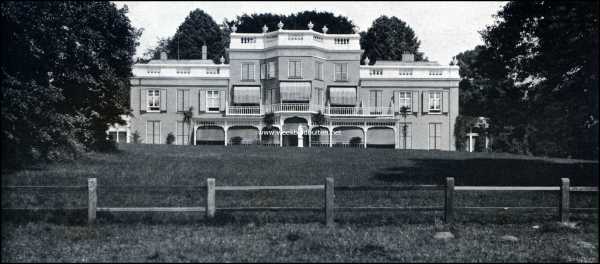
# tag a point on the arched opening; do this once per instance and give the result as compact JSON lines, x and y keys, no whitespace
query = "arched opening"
{"x":242,"y":135}
{"x":319,"y":136}
{"x":270,"y":136}
{"x":348,"y":137}
{"x":380,"y":137}
{"x":210,"y":135}
{"x":290,"y":130}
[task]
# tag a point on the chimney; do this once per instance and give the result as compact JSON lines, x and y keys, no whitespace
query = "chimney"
{"x":407,"y":56}
{"x":204,"y":52}
{"x":163,"y":56}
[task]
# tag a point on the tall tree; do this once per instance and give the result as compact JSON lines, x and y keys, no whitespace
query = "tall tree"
{"x":65,"y":76}
{"x":538,"y":71}
{"x":197,"y":29}
{"x":388,"y":38}
{"x":253,"y":23}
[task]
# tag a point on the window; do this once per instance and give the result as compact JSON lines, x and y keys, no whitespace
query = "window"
{"x":375,"y":102}
{"x":295,"y":69}
{"x":153,"y":100}
{"x":318,"y":70}
{"x":183,"y":97}
{"x":405,"y":136}
{"x":435,"y":99}
{"x":212,"y":101}
{"x":341,"y":71}
{"x":183,"y":133}
{"x":435,"y":135}
{"x":153,"y":132}
{"x":263,"y":71}
{"x":247,"y":72}
{"x":271,"y":69}
{"x":404,"y":100}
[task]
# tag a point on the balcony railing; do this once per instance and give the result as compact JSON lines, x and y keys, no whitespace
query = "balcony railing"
{"x":310,"y":108}
{"x":359,"y":111}
{"x":294,"y":107}
{"x":243,"y":110}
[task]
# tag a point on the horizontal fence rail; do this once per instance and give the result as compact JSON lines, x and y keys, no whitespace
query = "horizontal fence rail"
{"x":505,"y":188}
{"x":259,"y":188}
{"x":328,"y":207}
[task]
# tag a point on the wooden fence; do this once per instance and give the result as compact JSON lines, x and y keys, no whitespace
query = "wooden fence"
{"x":329,"y":207}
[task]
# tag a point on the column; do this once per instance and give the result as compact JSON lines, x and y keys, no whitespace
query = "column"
{"x":330,"y":129}
{"x":310,"y":136}
{"x":225,"y":133}
{"x":365,"y":133}
{"x":396,"y":138}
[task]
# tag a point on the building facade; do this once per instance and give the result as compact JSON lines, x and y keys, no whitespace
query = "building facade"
{"x":282,"y":82}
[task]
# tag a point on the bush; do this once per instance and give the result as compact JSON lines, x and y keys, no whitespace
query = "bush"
{"x":170,"y":138}
{"x":135,"y":137}
{"x":355,"y":140}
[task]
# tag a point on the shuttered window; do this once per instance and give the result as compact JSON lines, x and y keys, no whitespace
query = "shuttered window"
{"x":435,"y":99}
{"x":183,"y":133}
{"x":247,"y":72}
{"x":404,"y":100}
{"x":341,"y":71}
{"x":153,"y":132}
{"x":318,"y":70}
{"x":295,"y":69}
{"x":183,"y":97}
{"x":153,"y":100}
{"x":212,"y":101}
{"x":435,"y":135}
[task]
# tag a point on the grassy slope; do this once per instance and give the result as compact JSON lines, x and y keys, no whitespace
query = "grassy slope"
{"x":291,"y":236}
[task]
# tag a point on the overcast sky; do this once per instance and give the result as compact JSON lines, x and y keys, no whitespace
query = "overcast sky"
{"x":444,"y":28}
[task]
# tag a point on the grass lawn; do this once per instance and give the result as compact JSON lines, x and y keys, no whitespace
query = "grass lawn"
{"x":372,"y":236}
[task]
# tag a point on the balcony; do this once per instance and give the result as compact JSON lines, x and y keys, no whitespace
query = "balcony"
{"x":359,"y":111}
{"x":373,"y":72}
{"x":311,"y":108}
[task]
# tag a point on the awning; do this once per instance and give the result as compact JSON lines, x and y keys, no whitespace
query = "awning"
{"x":342,"y":95}
{"x":295,"y":91}
{"x":246,"y":94}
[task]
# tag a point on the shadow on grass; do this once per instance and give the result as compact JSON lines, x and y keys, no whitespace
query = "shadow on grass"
{"x":493,"y":172}
{"x":251,"y":219}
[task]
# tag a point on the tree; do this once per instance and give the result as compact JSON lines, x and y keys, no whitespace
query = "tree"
{"x":537,"y":76}
{"x":65,"y":76}
{"x":388,"y":38}
{"x":197,"y":29}
{"x":253,"y":23}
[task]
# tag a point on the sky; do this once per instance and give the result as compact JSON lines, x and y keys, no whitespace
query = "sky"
{"x":444,"y":28}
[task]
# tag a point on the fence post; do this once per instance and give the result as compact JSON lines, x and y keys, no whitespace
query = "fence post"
{"x":564,"y":200}
{"x":329,"y":195}
{"x":92,"y":200}
{"x":210,"y":198}
{"x":449,"y":201}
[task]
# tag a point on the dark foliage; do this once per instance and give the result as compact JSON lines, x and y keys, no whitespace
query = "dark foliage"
{"x":65,"y":77}
{"x":388,"y":38}
{"x":536,"y":78}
